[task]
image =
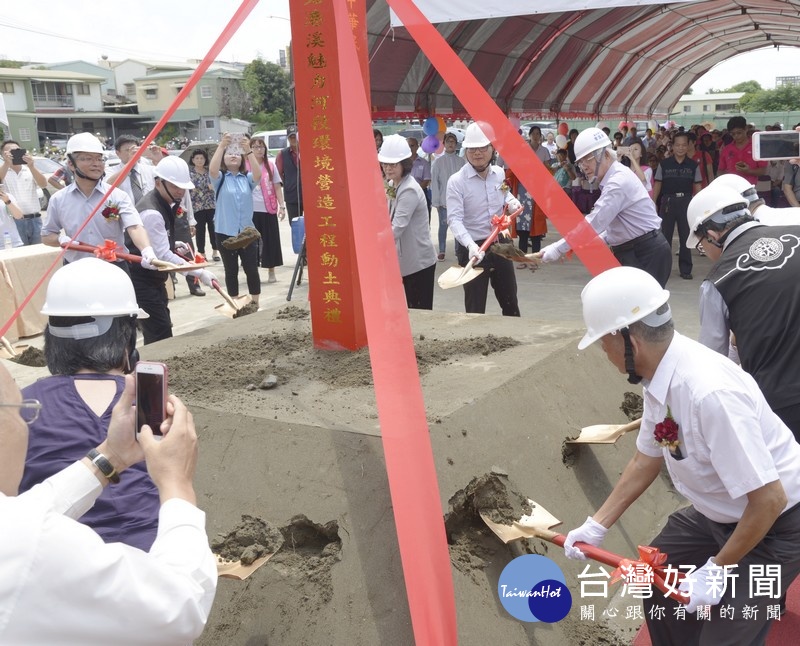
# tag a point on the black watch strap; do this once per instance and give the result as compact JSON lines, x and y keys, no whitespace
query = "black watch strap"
{"x":101,"y":462}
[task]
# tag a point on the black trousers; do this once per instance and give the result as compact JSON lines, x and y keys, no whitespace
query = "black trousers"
{"x":230,"y":261}
{"x":653,"y":255}
{"x":673,"y":212}
{"x":205,"y":219}
{"x":152,"y":298}
{"x":689,"y":538}
{"x":497,"y":271}
{"x":419,"y":288}
{"x":294,"y":210}
{"x":270,"y":244}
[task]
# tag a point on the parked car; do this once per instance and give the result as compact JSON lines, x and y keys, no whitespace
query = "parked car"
{"x":276,"y":140}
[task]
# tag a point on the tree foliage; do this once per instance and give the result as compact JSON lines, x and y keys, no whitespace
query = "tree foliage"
{"x":748,"y":87}
{"x":5,"y":62}
{"x":785,"y":98}
{"x":269,"y":88}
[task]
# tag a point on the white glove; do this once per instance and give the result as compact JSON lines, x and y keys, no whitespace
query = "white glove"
{"x":551,"y":253}
{"x":513,"y":204}
{"x":63,"y":239}
{"x":705,"y":586}
{"x":475,"y":252}
{"x":148,"y":256}
{"x":203,"y":275}
{"x":183,"y":249}
{"x":590,"y":532}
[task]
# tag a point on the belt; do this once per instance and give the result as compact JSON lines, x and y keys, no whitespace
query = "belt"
{"x":30,"y":216}
{"x":677,"y":195}
{"x":625,"y":246}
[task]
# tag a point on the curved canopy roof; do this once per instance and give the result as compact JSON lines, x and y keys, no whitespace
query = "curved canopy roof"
{"x":618,"y":62}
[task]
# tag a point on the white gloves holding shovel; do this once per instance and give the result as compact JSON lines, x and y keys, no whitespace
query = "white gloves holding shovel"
{"x":203,"y":275}
{"x":590,"y":532}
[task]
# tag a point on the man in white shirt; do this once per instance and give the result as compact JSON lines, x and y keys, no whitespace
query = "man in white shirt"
{"x":475,"y":194}
{"x":21,"y":179}
{"x":726,"y":451}
{"x":624,"y":214}
{"x":59,"y":582}
{"x":443,"y":169}
{"x":141,"y":180}
{"x":9,"y":212}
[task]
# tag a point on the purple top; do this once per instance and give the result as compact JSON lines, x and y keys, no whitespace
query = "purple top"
{"x":65,"y":432}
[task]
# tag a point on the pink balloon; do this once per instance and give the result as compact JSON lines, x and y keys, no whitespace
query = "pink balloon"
{"x":430,"y":144}
{"x":563,"y":128}
{"x":622,"y":124}
{"x":440,"y":149}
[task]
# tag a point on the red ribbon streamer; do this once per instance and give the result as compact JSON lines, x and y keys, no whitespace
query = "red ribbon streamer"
{"x":583,"y":239}
{"x":230,"y":29}
{"x":410,"y":467}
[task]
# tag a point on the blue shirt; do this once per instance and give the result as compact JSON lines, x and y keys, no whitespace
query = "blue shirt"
{"x":234,"y":203}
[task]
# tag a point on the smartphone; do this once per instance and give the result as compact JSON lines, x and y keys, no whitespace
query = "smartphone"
{"x":151,"y":395}
{"x":17,"y":154}
{"x":780,"y":144}
{"x":623,"y":151}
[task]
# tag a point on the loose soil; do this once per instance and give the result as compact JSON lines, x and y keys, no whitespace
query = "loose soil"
{"x":31,"y":357}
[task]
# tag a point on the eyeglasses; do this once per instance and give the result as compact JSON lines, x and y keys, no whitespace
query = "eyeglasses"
{"x":28,"y":409}
{"x":482,"y":149}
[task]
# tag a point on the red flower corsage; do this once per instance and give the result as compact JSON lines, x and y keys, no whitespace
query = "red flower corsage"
{"x":666,"y":434}
{"x":179,"y":212}
{"x":111,"y":212}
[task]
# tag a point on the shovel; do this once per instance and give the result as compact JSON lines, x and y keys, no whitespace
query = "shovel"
{"x":538,"y":524}
{"x":605,"y":433}
{"x":456,"y":276}
{"x":233,"y":307}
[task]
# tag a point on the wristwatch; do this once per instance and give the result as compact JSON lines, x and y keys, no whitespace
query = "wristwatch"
{"x":104,"y":466}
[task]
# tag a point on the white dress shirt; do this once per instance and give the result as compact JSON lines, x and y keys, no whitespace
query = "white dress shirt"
{"x":775,"y":217}
{"x":623,"y":211}
{"x":146,"y":177}
{"x":731,"y":441}
{"x":69,"y":207}
{"x":472,"y":201}
{"x":61,"y":584}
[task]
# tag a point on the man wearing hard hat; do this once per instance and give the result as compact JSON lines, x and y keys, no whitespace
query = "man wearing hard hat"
{"x":474,"y":194}
{"x":69,"y":207}
{"x":727,"y":453}
{"x":624,"y":214}
{"x":160,"y":210}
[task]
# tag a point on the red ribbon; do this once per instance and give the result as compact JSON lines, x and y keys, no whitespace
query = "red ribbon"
{"x":108,"y":251}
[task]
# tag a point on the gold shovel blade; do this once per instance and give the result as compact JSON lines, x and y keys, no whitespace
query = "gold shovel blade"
{"x":604,"y":433}
{"x":226,"y":309}
{"x":536,"y":525}
{"x":456,"y":276}
{"x":235,"y":569}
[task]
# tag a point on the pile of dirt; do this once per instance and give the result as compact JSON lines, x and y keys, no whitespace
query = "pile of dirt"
{"x":632,"y":405}
{"x":248,"y":541}
{"x":292,"y":313}
{"x":31,"y":356}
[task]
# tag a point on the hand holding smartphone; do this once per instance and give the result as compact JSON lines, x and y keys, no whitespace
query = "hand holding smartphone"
{"x":151,"y":395}
{"x":17,"y":155}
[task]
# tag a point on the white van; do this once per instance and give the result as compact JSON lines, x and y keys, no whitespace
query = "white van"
{"x":276,"y":140}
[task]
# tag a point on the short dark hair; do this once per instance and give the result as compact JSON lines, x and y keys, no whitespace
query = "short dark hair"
{"x":201,"y":151}
{"x":120,"y":141}
{"x":737,"y":122}
{"x":650,"y":334}
{"x":532,"y":128}
{"x":406,"y":165}
{"x":6,"y":143}
{"x":102,"y":353}
{"x":680,"y":134}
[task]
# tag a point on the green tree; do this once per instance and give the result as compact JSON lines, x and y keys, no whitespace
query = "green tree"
{"x":780,"y":99}
{"x":748,"y":87}
{"x":269,"y":88}
{"x":5,"y":62}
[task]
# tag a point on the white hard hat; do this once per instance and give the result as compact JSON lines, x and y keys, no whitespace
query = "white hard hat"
{"x":90,"y":287}
{"x":84,"y":142}
{"x":601,"y":124}
{"x":618,"y":297}
{"x":721,"y":201}
{"x":738,"y":184}
{"x":174,"y":170}
{"x":474,"y":137}
{"x":394,"y":149}
{"x":590,"y":140}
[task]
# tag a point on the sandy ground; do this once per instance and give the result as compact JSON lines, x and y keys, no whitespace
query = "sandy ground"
{"x":304,"y":459}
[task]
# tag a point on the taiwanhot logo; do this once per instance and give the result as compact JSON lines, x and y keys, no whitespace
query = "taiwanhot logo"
{"x":533,"y":588}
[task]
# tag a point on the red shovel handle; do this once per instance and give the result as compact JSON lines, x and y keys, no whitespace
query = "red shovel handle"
{"x":103,"y":252}
{"x":614,"y":560}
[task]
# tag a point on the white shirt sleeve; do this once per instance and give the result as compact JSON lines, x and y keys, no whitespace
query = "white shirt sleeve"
{"x":715,"y":331}
{"x":455,"y":210}
{"x":153,"y":223}
{"x":63,"y":584}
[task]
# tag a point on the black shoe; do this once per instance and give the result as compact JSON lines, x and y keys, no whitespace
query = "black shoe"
{"x":196,"y":290}
{"x":686,"y":276}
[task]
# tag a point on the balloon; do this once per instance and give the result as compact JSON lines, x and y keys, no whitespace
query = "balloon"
{"x":561,"y":141}
{"x":431,"y":126}
{"x":440,"y":149}
{"x":514,"y":121}
{"x":442,"y":125}
{"x":653,"y":125}
{"x":622,"y":124}
{"x":563,"y":128}
{"x":430,"y":143}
